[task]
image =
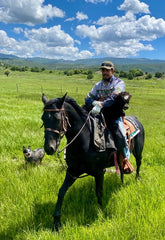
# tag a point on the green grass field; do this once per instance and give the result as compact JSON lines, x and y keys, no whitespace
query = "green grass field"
{"x":135,"y":210}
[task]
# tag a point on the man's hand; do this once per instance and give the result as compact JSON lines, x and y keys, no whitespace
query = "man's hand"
{"x":97,"y":108}
{"x":96,"y":103}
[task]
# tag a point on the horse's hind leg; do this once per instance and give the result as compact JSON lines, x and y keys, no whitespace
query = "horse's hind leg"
{"x":99,"y":178}
{"x":138,"y":164}
{"x":69,"y":180}
{"x":137,"y":145}
{"x":137,"y":152}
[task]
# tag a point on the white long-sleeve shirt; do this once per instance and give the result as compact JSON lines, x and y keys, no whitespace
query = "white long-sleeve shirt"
{"x":107,"y":92}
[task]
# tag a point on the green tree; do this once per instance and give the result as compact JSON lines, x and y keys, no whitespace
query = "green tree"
{"x":89,"y":76}
{"x":158,"y":74}
{"x":130,"y":76}
{"x":43,"y":69}
{"x":139,"y":73}
{"x":123,"y":74}
{"x":35,"y":69}
{"x":148,"y":76}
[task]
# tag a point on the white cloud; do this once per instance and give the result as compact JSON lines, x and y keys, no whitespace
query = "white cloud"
{"x":115,"y":20}
{"x":122,"y":36}
{"x":97,"y":1}
{"x":150,"y":28}
{"x":81,"y":16}
{"x":29,"y":12}
{"x":134,"y":6}
{"x":121,"y":48}
{"x":5,"y":41}
{"x":43,"y":42}
{"x":117,"y":36}
{"x":70,"y":19}
{"x":53,"y":36}
{"x":18,"y":30}
{"x":78,"y":42}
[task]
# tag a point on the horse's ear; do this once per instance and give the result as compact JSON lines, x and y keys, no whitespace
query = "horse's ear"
{"x":44,"y":98}
{"x":63,"y":98}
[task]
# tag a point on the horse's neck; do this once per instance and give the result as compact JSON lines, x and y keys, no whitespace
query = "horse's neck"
{"x":77,"y":124}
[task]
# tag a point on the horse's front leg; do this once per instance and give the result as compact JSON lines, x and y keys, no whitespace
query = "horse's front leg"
{"x":69,"y":180}
{"x":99,"y":178}
{"x":120,"y":163}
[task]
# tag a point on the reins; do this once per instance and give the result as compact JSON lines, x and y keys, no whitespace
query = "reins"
{"x":63,"y":130}
{"x":59,"y":151}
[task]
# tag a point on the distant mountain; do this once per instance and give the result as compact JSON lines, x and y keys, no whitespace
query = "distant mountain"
{"x":7,"y":56}
{"x":146,"y":65}
{"x":96,"y":61}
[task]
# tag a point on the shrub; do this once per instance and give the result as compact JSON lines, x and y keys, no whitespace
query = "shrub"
{"x":148,"y":76}
{"x":158,"y":74}
{"x":7,"y":72}
{"x":89,"y":76}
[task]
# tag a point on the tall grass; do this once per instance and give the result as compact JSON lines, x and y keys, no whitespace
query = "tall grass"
{"x":135,"y":210}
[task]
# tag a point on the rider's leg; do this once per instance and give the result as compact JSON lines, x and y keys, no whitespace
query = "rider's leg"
{"x":125,"y":149}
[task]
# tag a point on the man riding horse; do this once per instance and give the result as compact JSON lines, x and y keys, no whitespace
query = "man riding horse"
{"x":102,"y":96}
{"x":64,"y":115}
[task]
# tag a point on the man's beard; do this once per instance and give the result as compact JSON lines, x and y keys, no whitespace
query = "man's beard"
{"x":106,"y":79}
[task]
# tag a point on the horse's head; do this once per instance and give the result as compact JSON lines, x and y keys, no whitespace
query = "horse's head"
{"x":54,"y":122}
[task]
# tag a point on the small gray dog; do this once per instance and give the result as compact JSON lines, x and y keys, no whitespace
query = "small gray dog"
{"x":33,"y":156}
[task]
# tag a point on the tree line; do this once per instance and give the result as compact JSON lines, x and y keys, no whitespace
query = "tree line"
{"x":131,"y":74}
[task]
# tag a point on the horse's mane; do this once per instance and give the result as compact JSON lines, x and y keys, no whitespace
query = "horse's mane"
{"x":82,"y":112}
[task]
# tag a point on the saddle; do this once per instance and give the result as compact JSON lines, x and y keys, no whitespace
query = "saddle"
{"x":103,"y":139}
{"x":130,"y":128}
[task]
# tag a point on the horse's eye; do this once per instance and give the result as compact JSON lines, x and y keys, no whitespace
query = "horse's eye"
{"x":46,"y":116}
{"x":57,"y":115}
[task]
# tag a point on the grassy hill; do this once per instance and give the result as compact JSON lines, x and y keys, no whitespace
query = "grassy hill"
{"x":135,"y":210}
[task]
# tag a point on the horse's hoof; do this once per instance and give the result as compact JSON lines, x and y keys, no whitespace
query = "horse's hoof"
{"x":57,"y":224}
{"x":138,"y":177}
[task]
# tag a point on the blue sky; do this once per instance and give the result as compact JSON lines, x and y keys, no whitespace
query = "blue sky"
{"x":79,"y":29}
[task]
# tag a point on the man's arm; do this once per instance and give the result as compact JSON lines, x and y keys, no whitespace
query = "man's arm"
{"x":119,"y":87}
{"x":91,"y":96}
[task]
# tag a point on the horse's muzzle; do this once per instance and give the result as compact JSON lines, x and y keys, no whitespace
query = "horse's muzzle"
{"x":51,"y":143}
{"x":50,"y":149}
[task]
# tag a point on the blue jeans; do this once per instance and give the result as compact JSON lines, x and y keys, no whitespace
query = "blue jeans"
{"x":126,"y":151}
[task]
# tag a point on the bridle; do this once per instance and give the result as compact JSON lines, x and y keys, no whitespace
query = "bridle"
{"x":64,"y":121}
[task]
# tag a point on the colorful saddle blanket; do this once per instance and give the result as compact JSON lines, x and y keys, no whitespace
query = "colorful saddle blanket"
{"x":130,"y":127}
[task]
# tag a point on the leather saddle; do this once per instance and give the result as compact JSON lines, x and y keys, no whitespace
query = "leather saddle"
{"x":103,"y":139}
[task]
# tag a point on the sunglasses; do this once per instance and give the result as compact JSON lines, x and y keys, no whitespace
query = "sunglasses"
{"x":106,"y":64}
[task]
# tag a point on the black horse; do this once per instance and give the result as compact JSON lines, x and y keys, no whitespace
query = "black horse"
{"x":65,"y":116}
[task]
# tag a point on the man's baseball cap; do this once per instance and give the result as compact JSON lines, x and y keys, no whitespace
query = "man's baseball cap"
{"x":107,"y":65}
